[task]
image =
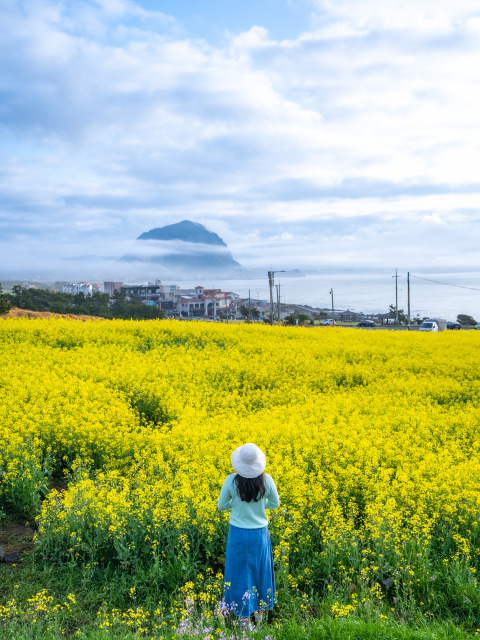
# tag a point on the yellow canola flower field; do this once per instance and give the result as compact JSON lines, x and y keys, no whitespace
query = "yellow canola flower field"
{"x":372,"y":438}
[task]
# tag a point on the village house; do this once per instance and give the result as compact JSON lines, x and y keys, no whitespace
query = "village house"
{"x":155,"y":294}
{"x":209,"y":303}
{"x":188,"y":303}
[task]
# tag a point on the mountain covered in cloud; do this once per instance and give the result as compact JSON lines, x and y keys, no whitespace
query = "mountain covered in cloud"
{"x":183,"y":247}
{"x":185,"y":231}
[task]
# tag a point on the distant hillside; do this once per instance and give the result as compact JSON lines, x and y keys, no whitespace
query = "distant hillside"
{"x":184,"y":246}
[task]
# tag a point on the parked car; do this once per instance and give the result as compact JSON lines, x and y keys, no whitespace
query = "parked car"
{"x":433,"y":324}
{"x":438,"y":324}
{"x":328,"y":323}
{"x":477,"y":326}
{"x":366,"y":324}
{"x":454,"y":325}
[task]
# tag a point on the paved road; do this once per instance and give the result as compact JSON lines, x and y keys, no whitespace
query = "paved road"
{"x":392,"y":328}
{"x":386,"y":328}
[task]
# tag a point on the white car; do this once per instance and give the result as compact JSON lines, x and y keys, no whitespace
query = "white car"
{"x":477,"y":326}
{"x":328,"y":323}
{"x":429,"y":325}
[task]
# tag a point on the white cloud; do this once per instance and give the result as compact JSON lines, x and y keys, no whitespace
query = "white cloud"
{"x":113,"y":122}
{"x":431,"y":15}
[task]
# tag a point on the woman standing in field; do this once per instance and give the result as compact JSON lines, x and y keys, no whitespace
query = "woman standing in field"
{"x":249,"y":574}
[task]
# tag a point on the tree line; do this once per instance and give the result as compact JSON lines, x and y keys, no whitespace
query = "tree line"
{"x":97,"y":304}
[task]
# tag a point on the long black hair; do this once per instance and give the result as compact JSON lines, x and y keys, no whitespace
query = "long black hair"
{"x":250,"y":488}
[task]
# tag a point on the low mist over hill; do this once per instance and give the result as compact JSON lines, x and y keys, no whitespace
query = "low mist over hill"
{"x":184,"y":246}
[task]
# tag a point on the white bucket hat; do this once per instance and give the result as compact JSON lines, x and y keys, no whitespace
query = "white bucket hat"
{"x":248,"y":460}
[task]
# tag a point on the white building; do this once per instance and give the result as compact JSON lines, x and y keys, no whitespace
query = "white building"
{"x":190,"y":306}
{"x":70,"y":288}
{"x":83,"y":287}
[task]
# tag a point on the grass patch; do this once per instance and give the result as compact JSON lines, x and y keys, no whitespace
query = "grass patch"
{"x":43,"y":599}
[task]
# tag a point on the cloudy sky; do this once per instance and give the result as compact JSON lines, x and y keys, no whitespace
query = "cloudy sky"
{"x":306,"y":133}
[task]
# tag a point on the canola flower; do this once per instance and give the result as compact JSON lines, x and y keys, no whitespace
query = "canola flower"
{"x":38,"y":612}
{"x":372,"y":438}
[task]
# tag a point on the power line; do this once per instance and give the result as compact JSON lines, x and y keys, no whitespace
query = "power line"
{"x":318,"y":301}
{"x":364,"y":293}
{"x":455,"y":295}
{"x":447,"y":284}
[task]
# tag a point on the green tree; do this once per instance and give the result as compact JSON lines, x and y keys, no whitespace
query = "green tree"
{"x":59,"y":306}
{"x":126,"y":309}
{"x":5,"y":305}
{"x":119,"y":304}
{"x":401,"y":314}
{"x":466,"y":320}
{"x":80,"y":304}
{"x":303,"y":317}
{"x":119,"y":297}
{"x":289,"y":320}
{"x":17,"y":291}
{"x":244,"y":311}
{"x":99,"y":304}
{"x":96,"y":304}
{"x":41,"y":300}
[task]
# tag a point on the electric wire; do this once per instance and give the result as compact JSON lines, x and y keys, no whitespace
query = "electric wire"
{"x":447,"y":284}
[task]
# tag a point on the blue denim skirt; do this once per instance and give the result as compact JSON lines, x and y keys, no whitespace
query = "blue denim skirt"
{"x":249,"y":572}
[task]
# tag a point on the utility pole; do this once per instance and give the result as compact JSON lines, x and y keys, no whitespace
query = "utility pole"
{"x":279,"y":302}
{"x":333,"y":308}
{"x":396,"y":295}
{"x":271,"y":275}
{"x":408,"y":281}
{"x":249,"y":308}
{"x":277,"y":286}
{"x":270,"y":284}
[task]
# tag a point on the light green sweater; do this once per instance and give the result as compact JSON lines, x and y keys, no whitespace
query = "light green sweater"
{"x":248,"y":515}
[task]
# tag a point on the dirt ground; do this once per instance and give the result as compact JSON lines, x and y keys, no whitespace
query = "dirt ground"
{"x":16,"y":536}
{"x":46,"y":315}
